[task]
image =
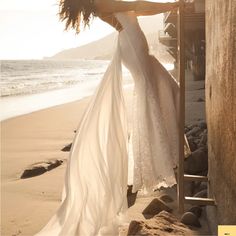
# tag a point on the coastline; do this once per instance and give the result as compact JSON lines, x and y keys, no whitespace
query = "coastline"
{"x":35,"y":102}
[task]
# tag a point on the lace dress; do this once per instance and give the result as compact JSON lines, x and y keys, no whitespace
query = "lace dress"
{"x":155,"y":116}
{"x":94,"y":196}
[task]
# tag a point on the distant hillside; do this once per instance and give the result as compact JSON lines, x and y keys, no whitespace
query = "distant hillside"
{"x":103,"y":48}
{"x":92,"y":50}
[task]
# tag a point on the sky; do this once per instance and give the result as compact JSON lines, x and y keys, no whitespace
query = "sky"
{"x":30,"y":29}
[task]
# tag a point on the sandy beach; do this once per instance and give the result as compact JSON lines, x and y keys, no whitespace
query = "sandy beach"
{"x":27,"y":204}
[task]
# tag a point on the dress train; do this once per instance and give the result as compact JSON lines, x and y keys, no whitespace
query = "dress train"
{"x":96,"y":176}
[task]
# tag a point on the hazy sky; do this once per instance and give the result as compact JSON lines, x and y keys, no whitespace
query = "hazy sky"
{"x":30,"y":29}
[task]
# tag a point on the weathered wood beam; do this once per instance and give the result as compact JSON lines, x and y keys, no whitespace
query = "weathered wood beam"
{"x":196,"y":178}
{"x":199,"y":201}
{"x":181,"y":75}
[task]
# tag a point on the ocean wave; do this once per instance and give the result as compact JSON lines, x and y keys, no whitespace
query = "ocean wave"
{"x":29,"y":77}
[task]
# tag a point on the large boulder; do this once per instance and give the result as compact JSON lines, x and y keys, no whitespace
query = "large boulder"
{"x":197,"y":161}
{"x":155,"y":207}
{"x":189,"y":218}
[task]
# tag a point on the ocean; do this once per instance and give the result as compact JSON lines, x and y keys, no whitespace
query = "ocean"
{"x":31,"y":85}
{"x":35,"y":76}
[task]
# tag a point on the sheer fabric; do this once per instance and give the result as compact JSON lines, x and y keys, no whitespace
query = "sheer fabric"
{"x":95,"y":190}
{"x":155,"y":116}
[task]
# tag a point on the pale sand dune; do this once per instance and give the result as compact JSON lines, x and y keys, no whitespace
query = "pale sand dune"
{"x":27,"y":204}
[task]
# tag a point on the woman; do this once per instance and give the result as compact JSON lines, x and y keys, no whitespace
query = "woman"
{"x":94,"y":196}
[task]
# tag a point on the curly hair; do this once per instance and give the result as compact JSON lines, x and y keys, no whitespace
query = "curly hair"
{"x":71,"y":12}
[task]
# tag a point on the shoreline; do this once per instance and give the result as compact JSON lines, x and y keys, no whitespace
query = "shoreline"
{"x":27,"y":104}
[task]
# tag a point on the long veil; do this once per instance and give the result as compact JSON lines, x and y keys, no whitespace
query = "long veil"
{"x":96,"y":176}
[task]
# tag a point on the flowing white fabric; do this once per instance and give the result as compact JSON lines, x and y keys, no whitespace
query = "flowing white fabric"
{"x":96,"y":175}
{"x":155,"y":117}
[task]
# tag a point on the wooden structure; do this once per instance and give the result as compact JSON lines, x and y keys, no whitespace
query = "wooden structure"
{"x":194,"y":19}
{"x":181,"y":176}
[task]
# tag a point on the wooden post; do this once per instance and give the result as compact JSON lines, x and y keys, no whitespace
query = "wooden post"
{"x":181,"y":75}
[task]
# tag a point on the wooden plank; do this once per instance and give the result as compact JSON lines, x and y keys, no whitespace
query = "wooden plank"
{"x":199,"y":201}
{"x":195,"y":178}
{"x":181,"y":75}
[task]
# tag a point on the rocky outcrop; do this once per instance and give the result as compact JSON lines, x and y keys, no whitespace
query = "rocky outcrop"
{"x":163,"y":224}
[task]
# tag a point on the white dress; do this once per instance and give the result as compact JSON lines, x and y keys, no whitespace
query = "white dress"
{"x":94,"y":195}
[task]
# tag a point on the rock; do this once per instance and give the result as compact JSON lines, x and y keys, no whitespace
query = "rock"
{"x":196,"y":210}
{"x":202,"y":125}
{"x":202,"y":194}
{"x":54,"y":164}
{"x":131,"y":197}
{"x":155,"y":207}
{"x":202,"y":186}
{"x":191,"y":126}
{"x":194,"y":132}
{"x":200,"y":100}
{"x":190,"y":138}
{"x":40,"y":168}
{"x":134,"y":227}
{"x":192,"y":145}
{"x":189,"y":188}
{"x":203,"y":140}
{"x":197,"y":140}
{"x":186,"y":129}
{"x":196,"y":186}
{"x":166,"y":198}
{"x":196,"y":162}
{"x":129,"y":190}
{"x":34,"y":171}
{"x":189,"y":218}
{"x":67,"y":148}
{"x":199,"y":186}
{"x":204,"y":131}
{"x":163,"y":224}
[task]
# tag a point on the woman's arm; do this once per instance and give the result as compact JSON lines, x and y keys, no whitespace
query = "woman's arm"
{"x":112,"y":6}
{"x":165,"y":8}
